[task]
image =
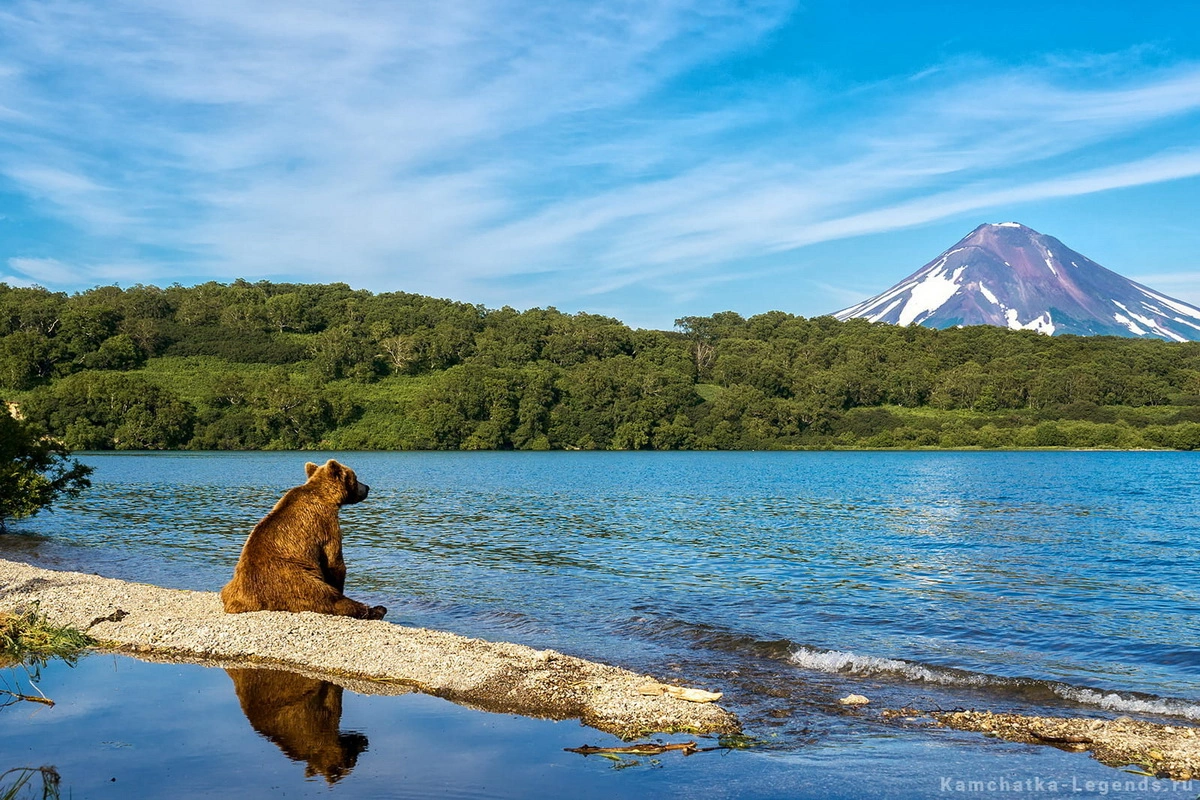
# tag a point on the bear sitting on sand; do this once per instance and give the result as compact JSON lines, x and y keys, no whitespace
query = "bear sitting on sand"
{"x":292,"y":560}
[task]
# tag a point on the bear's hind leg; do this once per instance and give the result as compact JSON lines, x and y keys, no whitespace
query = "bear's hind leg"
{"x":352,"y":608}
{"x":337,"y":603}
{"x":346,"y":607}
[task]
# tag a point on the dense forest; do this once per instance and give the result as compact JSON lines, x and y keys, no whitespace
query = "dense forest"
{"x":274,"y":365}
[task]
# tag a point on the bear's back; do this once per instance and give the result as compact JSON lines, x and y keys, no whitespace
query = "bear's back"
{"x":296,"y":529}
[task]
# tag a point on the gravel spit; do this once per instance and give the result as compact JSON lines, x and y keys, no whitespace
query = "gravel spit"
{"x":1161,"y":751}
{"x":375,"y":657}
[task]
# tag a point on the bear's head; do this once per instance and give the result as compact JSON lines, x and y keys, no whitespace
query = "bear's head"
{"x":349,"y":489}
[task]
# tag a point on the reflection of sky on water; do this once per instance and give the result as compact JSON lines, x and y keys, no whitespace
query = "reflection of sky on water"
{"x":126,"y":729}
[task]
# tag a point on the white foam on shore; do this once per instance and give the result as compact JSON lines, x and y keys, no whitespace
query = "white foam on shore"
{"x":837,"y":661}
{"x":1112,"y":701}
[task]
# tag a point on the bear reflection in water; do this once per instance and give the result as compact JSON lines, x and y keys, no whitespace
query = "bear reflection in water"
{"x":301,"y":716}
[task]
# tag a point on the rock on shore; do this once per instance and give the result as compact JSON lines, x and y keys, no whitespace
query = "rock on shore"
{"x":366,"y":655}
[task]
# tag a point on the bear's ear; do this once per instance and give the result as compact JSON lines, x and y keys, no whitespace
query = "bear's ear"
{"x":309,"y":469}
{"x":335,"y":469}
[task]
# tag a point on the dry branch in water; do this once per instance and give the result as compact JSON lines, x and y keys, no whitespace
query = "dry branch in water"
{"x":639,"y":749}
{"x":18,"y":697}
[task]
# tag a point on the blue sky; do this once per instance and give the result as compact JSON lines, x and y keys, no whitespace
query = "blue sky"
{"x":644,"y":160}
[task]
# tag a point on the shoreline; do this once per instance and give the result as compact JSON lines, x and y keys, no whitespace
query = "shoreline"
{"x":369,"y":657}
{"x":1156,"y":749}
{"x":382,"y":658}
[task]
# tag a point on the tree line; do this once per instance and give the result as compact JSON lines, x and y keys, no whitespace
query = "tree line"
{"x":280,"y":365}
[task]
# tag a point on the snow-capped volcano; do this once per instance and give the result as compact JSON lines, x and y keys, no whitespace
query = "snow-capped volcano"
{"x":1009,"y":275}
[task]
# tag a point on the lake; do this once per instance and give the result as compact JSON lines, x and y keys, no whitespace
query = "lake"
{"x":1060,"y":582}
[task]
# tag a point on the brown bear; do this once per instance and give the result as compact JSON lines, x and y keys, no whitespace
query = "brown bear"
{"x":301,"y":716}
{"x":292,"y":560}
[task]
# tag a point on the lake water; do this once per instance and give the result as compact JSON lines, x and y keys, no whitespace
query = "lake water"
{"x":1045,"y":581}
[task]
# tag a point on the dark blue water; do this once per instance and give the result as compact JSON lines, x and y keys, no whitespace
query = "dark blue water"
{"x":1039,"y":581}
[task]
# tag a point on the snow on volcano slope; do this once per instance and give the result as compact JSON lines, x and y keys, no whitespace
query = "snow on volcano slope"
{"x":1009,"y":275}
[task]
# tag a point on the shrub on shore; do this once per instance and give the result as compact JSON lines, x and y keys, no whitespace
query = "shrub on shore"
{"x":26,"y":635}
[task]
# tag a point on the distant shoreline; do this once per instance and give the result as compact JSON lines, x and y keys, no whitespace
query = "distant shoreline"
{"x":301,"y":366}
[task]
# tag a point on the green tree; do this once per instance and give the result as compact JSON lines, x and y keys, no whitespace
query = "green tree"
{"x":960,"y":387}
{"x":35,"y":471}
{"x":198,"y":305}
{"x":30,"y":309}
{"x":286,"y":312}
{"x":345,"y":352}
{"x":112,"y":410}
{"x":703,"y":333}
{"x":618,"y":402}
{"x":743,"y":418}
{"x":585,"y":337}
{"x":119,"y":352}
{"x":290,"y":414}
{"x":88,"y":321}
{"x":24,"y":358}
{"x":244,"y":308}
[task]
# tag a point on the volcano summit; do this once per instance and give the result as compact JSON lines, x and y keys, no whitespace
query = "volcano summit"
{"x":1009,"y":275}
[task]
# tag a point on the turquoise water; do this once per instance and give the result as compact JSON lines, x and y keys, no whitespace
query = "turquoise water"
{"x":1056,"y":581}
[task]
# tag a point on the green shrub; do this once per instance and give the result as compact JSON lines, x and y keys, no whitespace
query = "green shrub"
{"x":26,"y":636}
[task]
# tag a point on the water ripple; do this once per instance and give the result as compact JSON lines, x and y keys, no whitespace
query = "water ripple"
{"x":1067,"y":567}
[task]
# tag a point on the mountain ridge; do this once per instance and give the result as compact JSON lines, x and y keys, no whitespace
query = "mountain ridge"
{"x":1008,"y":275}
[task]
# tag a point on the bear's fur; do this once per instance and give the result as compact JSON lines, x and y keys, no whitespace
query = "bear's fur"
{"x":292,"y":560}
{"x":301,"y":716}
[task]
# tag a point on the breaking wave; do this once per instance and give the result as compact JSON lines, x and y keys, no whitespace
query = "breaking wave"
{"x":839,"y":662}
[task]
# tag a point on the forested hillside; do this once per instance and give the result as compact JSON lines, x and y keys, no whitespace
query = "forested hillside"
{"x":270,"y":365}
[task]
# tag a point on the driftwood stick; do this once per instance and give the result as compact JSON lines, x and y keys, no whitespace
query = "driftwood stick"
{"x":1068,"y":739}
{"x":46,"y":701}
{"x":640,"y":749}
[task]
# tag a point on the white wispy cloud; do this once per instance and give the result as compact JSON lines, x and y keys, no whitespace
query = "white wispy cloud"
{"x":987,"y":194}
{"x":46,"y":271}
{"x":51,"y":272}
{"x":72,"y":195}
{"x":891,"y":176}
{"x":448,"y":146}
